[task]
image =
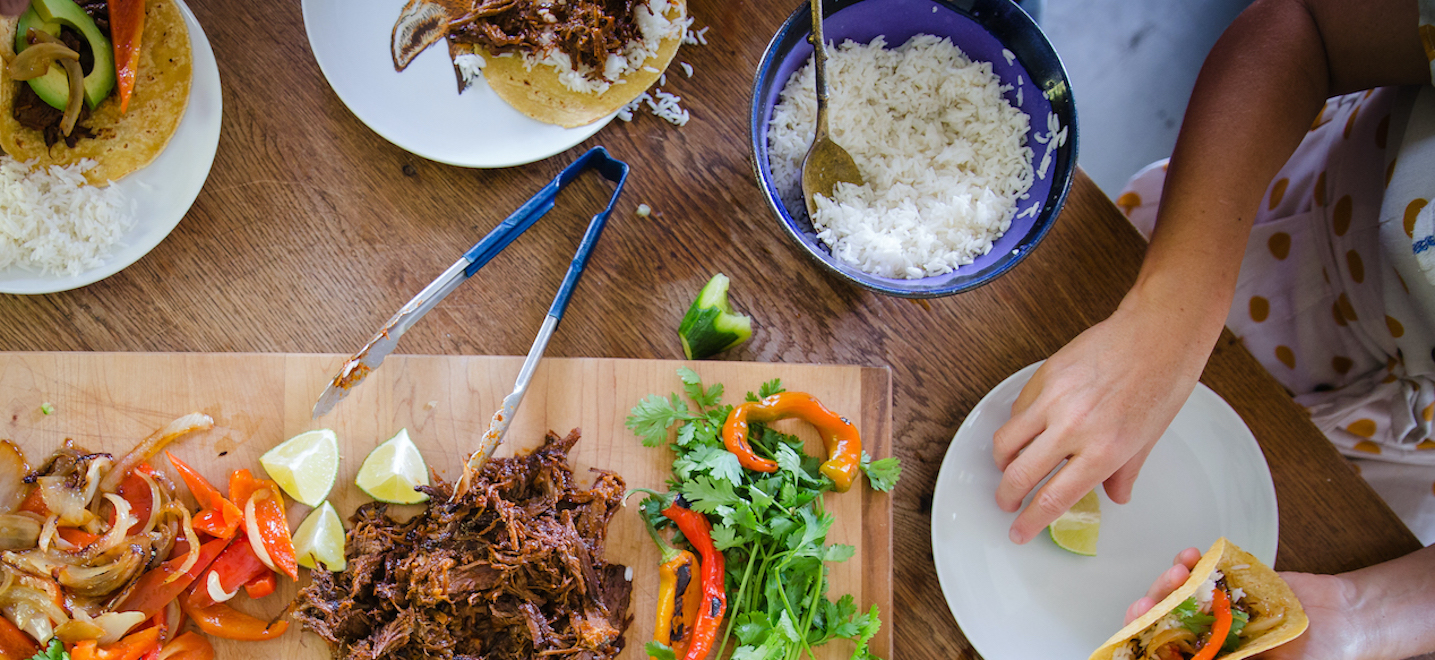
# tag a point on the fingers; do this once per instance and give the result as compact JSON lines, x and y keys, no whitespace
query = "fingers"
{"x":1120,"y":483}
{"x":1025,"y":471}
{"x":1016,"y":434}
{"x":1141,"y":606}
{"x":1188,"y":558}
{"x":1053,"y":499}
{"x":1166,"y":583}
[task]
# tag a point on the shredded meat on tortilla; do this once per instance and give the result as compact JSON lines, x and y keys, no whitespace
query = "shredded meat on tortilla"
{"x":514,"y":569}
{"x":585,"y":30}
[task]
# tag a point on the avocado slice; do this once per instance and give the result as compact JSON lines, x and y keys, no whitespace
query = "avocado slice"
{"x":54,"y":87}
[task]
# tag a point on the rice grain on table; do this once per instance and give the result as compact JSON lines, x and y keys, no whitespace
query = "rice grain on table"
{"x":943,"y":153}
{"x":53,"y":221}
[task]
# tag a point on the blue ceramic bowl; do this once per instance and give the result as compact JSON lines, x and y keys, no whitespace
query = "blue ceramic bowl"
{"x":982,"y":29}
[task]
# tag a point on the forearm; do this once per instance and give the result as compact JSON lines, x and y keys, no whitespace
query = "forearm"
{"x":1394,"y":602}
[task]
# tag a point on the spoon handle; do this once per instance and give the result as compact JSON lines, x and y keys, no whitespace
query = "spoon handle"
{"x":819,"y":61}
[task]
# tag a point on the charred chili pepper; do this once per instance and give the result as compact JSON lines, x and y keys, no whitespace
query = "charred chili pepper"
{"x":217,"y":517}
{"x":698,"y":532}
{"x":844,"y":445}
{"x":679,"y":595}
{"x":1221,"y":608}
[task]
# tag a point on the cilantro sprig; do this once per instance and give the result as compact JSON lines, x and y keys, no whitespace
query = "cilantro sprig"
{"x":771,"y":527}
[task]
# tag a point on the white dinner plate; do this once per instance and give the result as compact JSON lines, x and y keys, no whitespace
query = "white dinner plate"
{"x":421,"y":109}
{"x":162,"y":191}
{"x":1205,"y":479}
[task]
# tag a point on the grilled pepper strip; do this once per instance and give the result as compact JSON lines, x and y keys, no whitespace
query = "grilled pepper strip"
{"x":221,"y":620}
{"x":698,"y":532}
{"x":217,"y":517}
{"x":1221,"y":608}
{"x":844,"y":445}
{"x":678,"y":594}
{"x":270,"y":523}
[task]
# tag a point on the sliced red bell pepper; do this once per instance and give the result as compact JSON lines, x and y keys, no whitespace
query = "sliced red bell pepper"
{"x":272,"y":524}
{"x":14,"y":643}
{"x":261,"y":586}
{"x":35,"y":503}
{"x":76,"y":537}
{"x":217,"y":517}
{"x":224,"y":621}
{"x":133,"y":647}
{"x":237,"y":566}
{"x":135,"y":490}
{"x":154,"y":588}
{"x":126,"y":26}
{"x":189,"y":646}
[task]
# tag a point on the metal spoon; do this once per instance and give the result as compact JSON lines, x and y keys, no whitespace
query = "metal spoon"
{"x":826,"y":163}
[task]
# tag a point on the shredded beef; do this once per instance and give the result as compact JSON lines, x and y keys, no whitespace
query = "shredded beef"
{"x":585,"y":30}
{"x":514,"y":569}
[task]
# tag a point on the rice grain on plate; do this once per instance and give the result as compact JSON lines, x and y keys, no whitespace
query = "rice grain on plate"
{"x":53,"y":221}
{"x":944,"y":155}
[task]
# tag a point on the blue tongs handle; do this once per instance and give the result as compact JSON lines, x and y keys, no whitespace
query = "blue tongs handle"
{"x":520,"y":220}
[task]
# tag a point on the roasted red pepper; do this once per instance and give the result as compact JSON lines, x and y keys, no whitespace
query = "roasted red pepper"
{"x":154,"y":589}
{"x":224,"y":621}
{"x":269,"y":517}
{"x":698,"y":531}
{"x":126,"y":26}
{"x":189,"y":646}
{"x":679,"y":595}
{"x":14,"y":643}
{"x":261,"y":586}
{"x":217,"y":517}
{"x":844,"y":445}
{"x":236,"y":567}
{"x":1221,"y":608}
{"x":133,"y":647}
{"x":135,"y":490}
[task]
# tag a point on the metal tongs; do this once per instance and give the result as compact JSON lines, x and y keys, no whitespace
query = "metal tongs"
{"x":356,"y":368}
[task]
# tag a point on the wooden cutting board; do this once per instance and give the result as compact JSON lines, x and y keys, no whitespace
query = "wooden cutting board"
{"x":109,"y":401}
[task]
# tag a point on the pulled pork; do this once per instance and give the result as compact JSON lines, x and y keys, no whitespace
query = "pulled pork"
{"x":585,"y":30}
{"x":514,"y":569}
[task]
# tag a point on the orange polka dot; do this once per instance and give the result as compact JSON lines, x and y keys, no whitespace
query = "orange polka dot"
{"x":1280,"y":245}
{"x":1427,"y":443}
{"x":1389,"y":173}
{"x":1382,"y":132}
{"x":1411,"y":211}
{"x":1340,"y":217}
{"x":1319,"y":119}
{"x":1286,"y":356}
{"x":1346,"y":309}
{"x":1341,"y":364}
{"x":1260,"y":309}
{"x":1320,"y":189}
{"x":1339,"y":318}
{"x":1396,"y":330}
{"x":1429,"y":414}
{"x":1128,"y":201}
{"x":1401,"y":278}
{"x":1278,"y":191}
{"x":1367,"y":447}
{"x":1350,"y":123}
{"x":1427,"y":39}
{"x":1390,"y":363}
{"x":1354,"y":466}
{"x":1356,"y":265}
{"x":1364,"y":428}
{"x":1389,"y":379}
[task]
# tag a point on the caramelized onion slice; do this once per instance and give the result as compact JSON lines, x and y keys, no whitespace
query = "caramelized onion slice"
{"x":19,"y":531}
{"x":12,"y":476}
{"x":151,"y":446}
{"x":35,"y":61}
{"x":77,"y":96}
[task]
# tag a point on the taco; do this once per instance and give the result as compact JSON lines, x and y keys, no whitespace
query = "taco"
{"x":1264,"y":613}
{"x":128,"y":115}
{"x":569,"y":64}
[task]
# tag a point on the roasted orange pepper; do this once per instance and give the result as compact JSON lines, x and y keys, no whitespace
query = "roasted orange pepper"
{"x":713,"y":605}
{"x":133,"y":647}
{"x":678,"y":594}
{"x":844,"y":445}
{"x":1221,"y":608}
{"x":224,"y":621}
{"x":15,"y":643}
{"x":217,"y":516}
{"x":272,"y":525}
{"x":189,"y":646}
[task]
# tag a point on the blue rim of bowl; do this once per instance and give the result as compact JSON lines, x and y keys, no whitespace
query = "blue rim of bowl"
{"x":1035,"y":47}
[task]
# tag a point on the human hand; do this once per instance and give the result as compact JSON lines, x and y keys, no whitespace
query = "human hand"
{"x":1100,"y":403}
{"x":1328,"y":600}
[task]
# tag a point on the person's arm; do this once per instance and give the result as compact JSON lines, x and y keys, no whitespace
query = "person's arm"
{"x":1104,"y":399}
{"x":1382,"y":612}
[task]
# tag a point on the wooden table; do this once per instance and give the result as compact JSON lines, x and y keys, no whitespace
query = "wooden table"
{"x":312,"y":230}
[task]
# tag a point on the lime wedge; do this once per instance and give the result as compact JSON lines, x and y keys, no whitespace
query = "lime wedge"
{"x":320,"y":540}
{"x":392,"y":470}
{"x":305,"y":465}
{"x":1076,"y":529}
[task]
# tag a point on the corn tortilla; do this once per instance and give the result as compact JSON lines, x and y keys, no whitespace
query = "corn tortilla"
{"x":538,"y":93}
{"x":122,"y":143}
{"x":1265,"y":592}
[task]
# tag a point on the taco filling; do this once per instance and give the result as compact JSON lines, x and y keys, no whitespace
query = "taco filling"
{"x":1216,"y":611}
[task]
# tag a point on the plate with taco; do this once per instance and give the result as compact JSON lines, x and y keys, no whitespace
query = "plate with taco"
{"x":1205,"y":479}
{"x":136,"y":130}
{"x":491,"y":83}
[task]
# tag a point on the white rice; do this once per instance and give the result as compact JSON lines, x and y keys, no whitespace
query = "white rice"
{"x":943,"y":153}
{"x":53,"y":221}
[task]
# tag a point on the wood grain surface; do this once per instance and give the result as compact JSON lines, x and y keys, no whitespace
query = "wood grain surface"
{"x":445,"y":402}
{"x":312,"y":230}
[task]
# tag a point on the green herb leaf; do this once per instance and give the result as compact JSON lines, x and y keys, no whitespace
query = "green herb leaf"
{"x":883,"y":474}
{"x":770,"y":388}
{"x":704,"y":494}
{"x":693,"y":386}
{"x":838,"y":553}
{"x":47,"y":408}
{"x":55,"y":651}
{"x":660,"y":651}
{"x":653,"y":415}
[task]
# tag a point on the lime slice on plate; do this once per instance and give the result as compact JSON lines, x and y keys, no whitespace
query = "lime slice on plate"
{"x":305,"y":465}
{"x":1076,"y":529}
{"x":320,"y":540}
{"x":392,"y":470}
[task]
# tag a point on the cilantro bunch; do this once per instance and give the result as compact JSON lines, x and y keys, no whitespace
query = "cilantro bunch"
{"x":1193,"y":619}
{"x":771,"y":528}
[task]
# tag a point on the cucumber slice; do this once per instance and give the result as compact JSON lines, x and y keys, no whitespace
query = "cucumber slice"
{"x":710,"y":326}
